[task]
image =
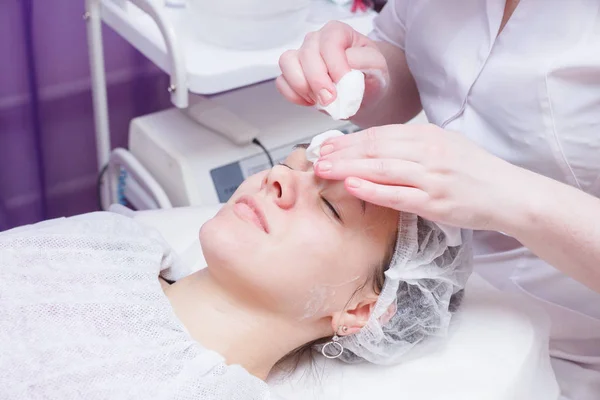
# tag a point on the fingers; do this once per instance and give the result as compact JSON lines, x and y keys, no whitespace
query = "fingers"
{"x":374,"y":65}
{"x":315,"y":70}
{"x":312,"y":71}
{"x":391,"y":150}
{"x":324,"y":58}
{"x":342,"y":49}
{"x":294,"y":78}
{"x":384,"y":171}
{"x":392,"y":141}
{"x":334,"y":42}
{"x":365,"y":59}
{"x":400,"y":198}
{"x":286,"y":90}
{"x":365,"y":137}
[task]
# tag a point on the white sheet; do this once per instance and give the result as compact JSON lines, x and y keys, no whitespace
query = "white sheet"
{"x":83,"y":316}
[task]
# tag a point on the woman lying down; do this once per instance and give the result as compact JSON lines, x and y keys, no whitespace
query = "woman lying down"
{"x":294,"y":263}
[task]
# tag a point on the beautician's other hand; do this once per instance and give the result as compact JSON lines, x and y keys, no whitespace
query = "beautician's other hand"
{"x":423,"y":169}
{"x":309,"y":73}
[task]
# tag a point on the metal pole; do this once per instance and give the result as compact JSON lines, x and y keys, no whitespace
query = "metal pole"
{"x":100,"y":103}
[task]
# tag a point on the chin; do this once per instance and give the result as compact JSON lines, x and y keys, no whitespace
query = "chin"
{"x":215,"y":240}
{"x":225,"y":244}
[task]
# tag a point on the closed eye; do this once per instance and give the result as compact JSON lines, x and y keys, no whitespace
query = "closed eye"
{"x":331,"y":208}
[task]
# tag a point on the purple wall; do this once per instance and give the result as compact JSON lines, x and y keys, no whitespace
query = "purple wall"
{"x":60,"y":180}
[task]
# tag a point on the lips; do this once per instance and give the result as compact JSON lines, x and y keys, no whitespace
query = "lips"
{"x":247,"y":209}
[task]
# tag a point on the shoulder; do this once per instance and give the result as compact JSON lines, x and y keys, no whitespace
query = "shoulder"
{"x":390,"y":25}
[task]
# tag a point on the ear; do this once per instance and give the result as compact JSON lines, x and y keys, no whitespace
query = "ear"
{"x":354,"y":319}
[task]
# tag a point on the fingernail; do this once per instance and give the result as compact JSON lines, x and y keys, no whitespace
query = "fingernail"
{"x":324,"y":97}
{"x":353,"y":183}
{"x":324,"y":166}
{"x":327,"y":149}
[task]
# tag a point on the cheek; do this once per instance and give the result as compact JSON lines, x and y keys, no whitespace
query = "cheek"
{"x":351,"y":265}
{"x":303,"y":254}
{"x":296,"y":268}
{"x":323,"y":272}
{"x":215,"y":237}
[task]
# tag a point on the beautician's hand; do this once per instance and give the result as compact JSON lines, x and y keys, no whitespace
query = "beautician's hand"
{"x":426,"y":170}
{"x":309,"y":73}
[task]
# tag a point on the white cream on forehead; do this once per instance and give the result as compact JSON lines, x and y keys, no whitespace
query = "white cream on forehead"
{"x":313,"y":151}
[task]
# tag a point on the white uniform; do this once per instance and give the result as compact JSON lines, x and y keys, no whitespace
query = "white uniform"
{"x":83,"y":316}
{"x":531,"y":96}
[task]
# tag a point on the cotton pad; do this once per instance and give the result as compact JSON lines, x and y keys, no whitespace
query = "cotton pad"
{"x":313,"y":151}
{"x":350,"y":90}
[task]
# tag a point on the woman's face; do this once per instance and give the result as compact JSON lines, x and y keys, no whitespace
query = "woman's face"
{"x":295,"y":244}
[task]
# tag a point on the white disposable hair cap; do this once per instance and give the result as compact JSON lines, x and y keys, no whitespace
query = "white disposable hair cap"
{"x":423,"y":287}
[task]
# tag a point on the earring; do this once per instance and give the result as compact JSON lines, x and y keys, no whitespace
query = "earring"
{"x":334,"y":346}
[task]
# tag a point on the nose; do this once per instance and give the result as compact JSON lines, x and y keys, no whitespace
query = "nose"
{"x":281,"y":185}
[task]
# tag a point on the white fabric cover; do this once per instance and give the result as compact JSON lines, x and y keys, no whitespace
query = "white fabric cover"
{"x":83,"y":316}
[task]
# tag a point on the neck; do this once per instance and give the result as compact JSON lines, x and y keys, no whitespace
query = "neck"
{"x":223,"y":322}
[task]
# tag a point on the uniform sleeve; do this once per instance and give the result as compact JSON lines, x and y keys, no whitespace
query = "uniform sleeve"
{"x":390,"y":24}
